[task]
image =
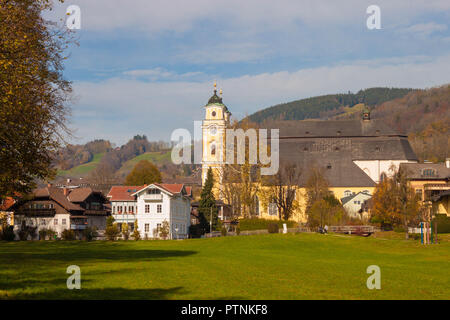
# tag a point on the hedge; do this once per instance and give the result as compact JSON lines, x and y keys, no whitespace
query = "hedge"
{"x":260,"y":224}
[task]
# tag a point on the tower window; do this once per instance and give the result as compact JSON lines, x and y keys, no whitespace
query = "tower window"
{"x":213,"y":149}
{"x":213,"y":113}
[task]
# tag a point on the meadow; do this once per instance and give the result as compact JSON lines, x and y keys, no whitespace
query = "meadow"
{"x":271,"y":266}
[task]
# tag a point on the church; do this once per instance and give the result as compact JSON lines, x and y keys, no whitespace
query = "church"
{"x":355,"y":154}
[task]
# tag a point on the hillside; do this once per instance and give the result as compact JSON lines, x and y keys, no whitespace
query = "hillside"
{"x":327,"y":105}
{"x":424,"y":115}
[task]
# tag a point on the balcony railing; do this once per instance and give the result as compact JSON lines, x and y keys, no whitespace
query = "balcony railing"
{"x":157,"y":197}
{"x":78,"y":226}
{"x":95,"y":212}
{"x":36,"y":212}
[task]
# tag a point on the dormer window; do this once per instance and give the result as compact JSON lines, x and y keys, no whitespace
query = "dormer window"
{"x":428,"y":172}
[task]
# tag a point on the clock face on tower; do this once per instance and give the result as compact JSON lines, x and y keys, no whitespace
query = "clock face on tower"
{"x":213,"y":130}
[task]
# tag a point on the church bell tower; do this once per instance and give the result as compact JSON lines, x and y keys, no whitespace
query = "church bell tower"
{"x":215,"y":123}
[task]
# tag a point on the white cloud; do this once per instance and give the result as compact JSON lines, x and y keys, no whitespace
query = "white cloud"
{"x":248,"y":15}
{"x":424,"y":29}
{"x":122,"y":107}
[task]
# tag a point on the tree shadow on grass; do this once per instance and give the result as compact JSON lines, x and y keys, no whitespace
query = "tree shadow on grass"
{"x":83,"y":254}
{"x":103,"y":294}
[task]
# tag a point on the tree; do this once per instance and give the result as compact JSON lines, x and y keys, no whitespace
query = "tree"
{"x":326,"y":211}
{"x":136,"y":233}
{"x":164,"y":231}
{"x":207,"y":206}
{"x":125,"y":231}
{"x":144,"y":172}
{"x":112,"y":230}
{"x":33,"y":94}
{"x":395,"y":202}
{"x":282,"y":190}
{"x":316,"y":187}
{"x":241,"y":182}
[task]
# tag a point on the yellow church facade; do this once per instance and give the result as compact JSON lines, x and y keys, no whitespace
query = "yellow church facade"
{"x":354,"y":155}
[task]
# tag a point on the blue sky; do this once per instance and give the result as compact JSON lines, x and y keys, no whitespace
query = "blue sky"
{"x":147,"y":67}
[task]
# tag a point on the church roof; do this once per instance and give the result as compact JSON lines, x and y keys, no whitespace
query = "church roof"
{"x":335,"y":145}
{"x":215,"y":99}
{"x":333,"y":128}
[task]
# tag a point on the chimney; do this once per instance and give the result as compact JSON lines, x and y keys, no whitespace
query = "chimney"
{"x":66,"y":191}
{"x":447,"y":163}
{"x":49,"y":185}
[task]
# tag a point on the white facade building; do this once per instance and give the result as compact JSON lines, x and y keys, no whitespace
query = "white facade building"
{"x":150,"y":206}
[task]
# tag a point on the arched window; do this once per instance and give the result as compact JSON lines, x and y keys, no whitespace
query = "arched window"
{"x":383,"y":177}
{"x":213,"y":149}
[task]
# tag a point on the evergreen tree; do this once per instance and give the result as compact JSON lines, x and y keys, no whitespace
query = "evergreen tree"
{"x":207,"y":206}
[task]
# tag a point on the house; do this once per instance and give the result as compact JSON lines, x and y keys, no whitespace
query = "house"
{"x":124,"y":204}
{"x":354,"y":202}
{"x":62,"y":208}
{"x":431,"y":182}
{"x":151,"y":205}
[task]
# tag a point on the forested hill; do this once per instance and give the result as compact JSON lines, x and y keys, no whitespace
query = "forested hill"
{"x":328,"y":105}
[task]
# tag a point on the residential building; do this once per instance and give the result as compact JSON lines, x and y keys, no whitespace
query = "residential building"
{"x":431,"y":182}
{"x":150,"y":206}
{"x":353,"y":203}
{"x":124,"y":204}
{"x":62,"y":208}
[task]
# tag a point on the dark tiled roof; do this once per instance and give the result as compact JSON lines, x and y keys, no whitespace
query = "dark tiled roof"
{"x":57,"y":194}
{"x":79,"y":194}
{"x":333,"y":128}
{"x":335,"y":145}
{"x":416,"y":171}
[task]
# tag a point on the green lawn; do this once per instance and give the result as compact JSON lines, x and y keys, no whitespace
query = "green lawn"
{"x":273,"y":266}
{"x":156,"y":158}
{"x":83,"y":169}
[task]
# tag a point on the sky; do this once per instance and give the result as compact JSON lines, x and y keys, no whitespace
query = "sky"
{"x":148,"y":66}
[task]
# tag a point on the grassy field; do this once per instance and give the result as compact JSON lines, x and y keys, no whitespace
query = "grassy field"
{"x":83,"y":169}
{"x":273,"y":266}
{"x":155,"y":157}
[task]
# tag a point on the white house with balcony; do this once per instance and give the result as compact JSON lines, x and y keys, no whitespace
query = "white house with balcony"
{"x":150,"y":206}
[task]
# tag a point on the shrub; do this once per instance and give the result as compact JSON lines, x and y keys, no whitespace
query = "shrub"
{"x":262,"y":224}
{"x":112,"y":232}
{"x":23,"y":234}
{"x":110,"y":221}
{"x":136,"y":234}
{"x":7,"y":233}
{"x":272,"y":228}
{"x":68,"y":235}
{"x":195,"y":231}
{"x":32,"y":231}
{"x":51,"y":234}
{"x":125,"y":231}
{"x":223,"y":231}
{"x":165,"y":230}
{"x":443,"y":223}
{"x":42,"y":234}
{"x":90,"y":234}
